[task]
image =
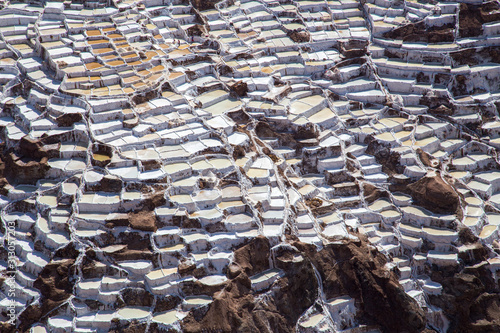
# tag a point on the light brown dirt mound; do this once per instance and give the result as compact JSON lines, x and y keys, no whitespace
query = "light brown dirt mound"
{"x":143,"y":220}
{"x":253,"y":257}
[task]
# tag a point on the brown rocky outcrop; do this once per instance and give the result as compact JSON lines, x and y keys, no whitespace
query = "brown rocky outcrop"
{"x":143,"y":220}
{"x":472,"y":17}
{"x":68,"y":119}
{"x":353,"y":48}
{"x":132,"y":327}
{"x":203,"y":4}
{"x":155,"y":199}
{"x":25,"y":170}
{"x":427,"y":159}
{"x":55,"y":286}
{"x":419,"y":32}
{"x":299,"y":36}
{"x":474,"y":56}
{"x":441,"y":110}
{"x":4,"y":184}
{"x":236,"y":309}
{"x":389,"y":160}
{"x":470,"y":21}
{"x":196,"y":30}
{"x":353,"y":268}
{"x":433,"y":193}
{"x":240,"y":88}
{"x":239,"y":116}
{"x":254,"y":257}
{"x":294,"y":139}
{"x":28,"y":162}
{"x":372,"y":192}
{"x":350,"y":268}
{"x":110,"y":183}
{"x":470,"y":298}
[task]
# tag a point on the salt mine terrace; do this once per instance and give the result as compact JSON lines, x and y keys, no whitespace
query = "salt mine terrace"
{"x":170,"y":165}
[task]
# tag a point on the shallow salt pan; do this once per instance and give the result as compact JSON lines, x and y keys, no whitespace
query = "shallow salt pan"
{"x":312,"y":321}
{"x":131,"y":313}
{"x":166,"y":318}
{"x":191,"y":302}
{"x":265,"y":279}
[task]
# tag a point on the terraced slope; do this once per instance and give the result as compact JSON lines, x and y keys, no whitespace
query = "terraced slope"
{"x":249,"y":166}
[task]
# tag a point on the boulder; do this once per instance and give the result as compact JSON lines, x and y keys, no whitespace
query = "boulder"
{"x":435,"y":194}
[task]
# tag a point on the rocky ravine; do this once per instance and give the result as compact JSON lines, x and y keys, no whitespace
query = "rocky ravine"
{"x":249,"y":166}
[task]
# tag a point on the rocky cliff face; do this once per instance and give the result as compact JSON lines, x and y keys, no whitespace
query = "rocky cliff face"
{"x":347,"y":268}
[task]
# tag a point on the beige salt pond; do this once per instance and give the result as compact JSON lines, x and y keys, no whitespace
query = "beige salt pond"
{"x":162,"y":275}
{"x":43,"y":184}
{"x":49,"y":200}
{"x":239,"y":221}
{"x":42,"y":225}
{"x":193,"y":237}
{"x":241,"y":162}
{"x":172,"y":248}
{"x":391,"y":214}
{"x":331,"y":218}
{"x":213,"y":280}
{"x":175,"y":167}
{"x":474,"y":211}
{"x":258,"y":173}
{"x":471,"y":221}
{"x":223,"y":106}
{"x":322,"y":116}
{"x":220,"y":163}
{"x":265,"y":279}
{"x":181,"y":198}
{"x":293,"y":26}
{"x":101,"y":157}
{"x":227,"y":204}
{"x":439,"y":232}
{"x":166,"y":318}
{"x":186,"y":182}
{"x":459,"y":174}
{"x":130,"y":313}
{"x":132,"y":195}
{"x":207,"y":97}
{"x":488,"y":231}
{"x":313,"y":320}
{"x":340,"y":300}
{"x":207,"y":214}
{"x":299,"y":107}
{"x":493,"y":219}
{"x":473,"y":201}
{"x":231,"y":192}
{"x":380,"y":205}
{"x":386,"y":136}
{"x":201,"y":165}
{"x":196,"y":301}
